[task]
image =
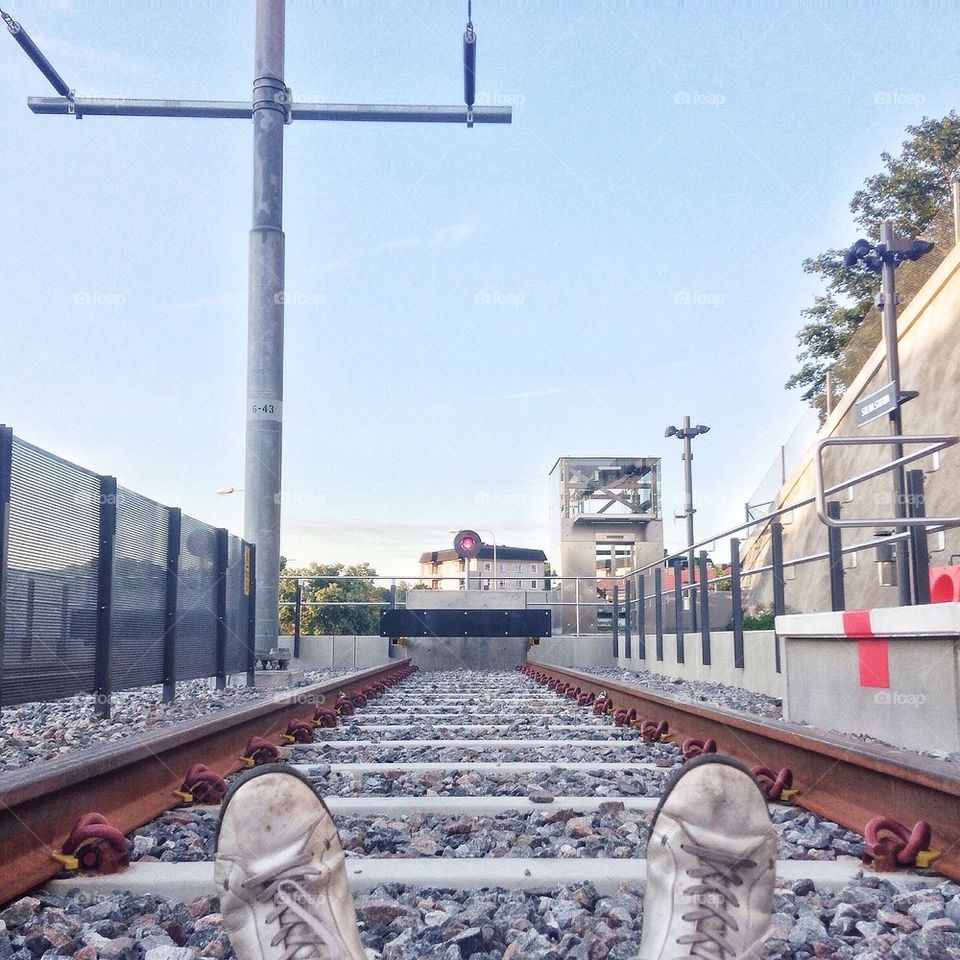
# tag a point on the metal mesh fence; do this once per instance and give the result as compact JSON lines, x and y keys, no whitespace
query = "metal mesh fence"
{"x":50,"y":613}
{"x":139,"y":590}
{"x":197,"y":601}
{"x":88,"y":571}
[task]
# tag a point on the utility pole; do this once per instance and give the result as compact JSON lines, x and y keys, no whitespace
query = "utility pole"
{"x":884,"y":258}
{"x":686,"y":433}
{"x":891,"y":341}
{"x":264,"y":436}
{"x":271,"y":109}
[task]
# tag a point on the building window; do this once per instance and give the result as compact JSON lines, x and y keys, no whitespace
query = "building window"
{"x":503,"y":585}
{"x":533,"y":568}
{"x":519,"y":568}
{"x":533,"y":584}
{"x":487,"y":568}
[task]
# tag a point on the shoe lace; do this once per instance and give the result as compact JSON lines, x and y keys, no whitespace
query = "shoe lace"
{"x":718,"y":872}
{"x":302,"y":931}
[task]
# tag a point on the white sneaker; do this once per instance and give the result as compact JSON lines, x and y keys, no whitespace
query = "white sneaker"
{"x":280,"y":872}
{"x":711,"y":866}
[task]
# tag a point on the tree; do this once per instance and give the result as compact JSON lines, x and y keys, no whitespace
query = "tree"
{"x":352,"y":606}
{"x":913,"y":190}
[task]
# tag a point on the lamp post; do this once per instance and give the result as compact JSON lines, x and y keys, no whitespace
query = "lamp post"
{"x":884,"y":258}
{"x":686,"y":433}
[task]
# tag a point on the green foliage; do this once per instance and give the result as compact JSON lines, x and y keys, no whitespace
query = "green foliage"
{"x":324,"y":583}
{"x":913,"y":191}
{"x":759,"y":620}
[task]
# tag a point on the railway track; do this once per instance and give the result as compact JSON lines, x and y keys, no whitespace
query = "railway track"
{"x":482,"y":812}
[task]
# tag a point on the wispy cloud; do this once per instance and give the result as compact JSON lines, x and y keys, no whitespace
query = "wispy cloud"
{"x":210,"y":303}
{"x":448,"y":235}
{"x":452,"y":235}
{"x":66,"y":53}
{"x":523,"y":395}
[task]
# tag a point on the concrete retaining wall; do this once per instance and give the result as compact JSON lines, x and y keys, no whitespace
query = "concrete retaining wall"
{"x":467,"y":653}
{"x":891,"y":673}
{"x":929,"y":363}
{"x":342,"y":652}
{"x":759,"y":673}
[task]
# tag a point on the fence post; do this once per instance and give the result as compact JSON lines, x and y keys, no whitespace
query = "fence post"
{"x":170,"y":618}
{"x":678,"y":609}
{"x":222,"y":564}
{"x":627,"y":600}
{"x":615,"y":621}
{"x":102,"y":671}
{"x":658,"y":608}
{"x":64,"y":622}
{"x":920,"y":565}
{"x":297,"y":608}
{"x":736,"y":598}
{"x":835,"y":550}
{"x":250,"y":586}
{"x":779,"y":584}
{"x":641,"y":617}
{"x":577,"y":602}
{"x":27,"y":645}
{"x":6,"y":469}
{"x":703,"y":576}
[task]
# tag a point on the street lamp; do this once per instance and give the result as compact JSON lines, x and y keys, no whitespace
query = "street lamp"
{"x":686,"y":433}
{"x":884,"y":258}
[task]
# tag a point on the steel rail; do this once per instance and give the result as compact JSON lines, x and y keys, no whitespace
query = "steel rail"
{"x":836,"y":776}
{"x":132,"y":781}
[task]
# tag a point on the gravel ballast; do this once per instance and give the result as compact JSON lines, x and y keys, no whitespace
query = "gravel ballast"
{"x":45,"y":730}
{"x":698,"y":691}
{"x":868,"y":919}
{"x":557,"y":831}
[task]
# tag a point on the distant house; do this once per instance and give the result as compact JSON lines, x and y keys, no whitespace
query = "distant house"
{"x":494,"y":568}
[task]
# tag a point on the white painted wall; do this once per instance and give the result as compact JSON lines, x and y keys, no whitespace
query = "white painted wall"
{"x":342,"y":652}
{"x":759,"y":673}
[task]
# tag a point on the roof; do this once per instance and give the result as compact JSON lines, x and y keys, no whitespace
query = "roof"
{"x":486,"y":553}
{"x":609,"y":461}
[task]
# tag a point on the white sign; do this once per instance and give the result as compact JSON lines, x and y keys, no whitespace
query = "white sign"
{"x":264,"y":409}
{"x":875,"y":405}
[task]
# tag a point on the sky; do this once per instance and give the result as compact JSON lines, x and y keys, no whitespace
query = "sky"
{"x":468,"y":305}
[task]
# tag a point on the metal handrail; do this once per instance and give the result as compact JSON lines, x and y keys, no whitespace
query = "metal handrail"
{"x":935,"y":444}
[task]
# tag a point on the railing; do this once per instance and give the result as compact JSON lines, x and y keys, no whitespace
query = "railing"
{"x":395,"y":593}
{"x":628,"y":603}
{"x":917,"y":525}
